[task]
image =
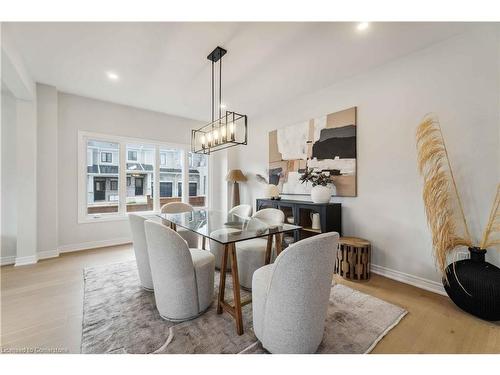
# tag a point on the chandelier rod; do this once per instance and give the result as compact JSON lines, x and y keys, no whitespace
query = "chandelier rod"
{"x":220,"y":88}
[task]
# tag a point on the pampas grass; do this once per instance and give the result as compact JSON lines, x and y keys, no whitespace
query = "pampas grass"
{"x":492,"y":231}
{"x":440,"y":193}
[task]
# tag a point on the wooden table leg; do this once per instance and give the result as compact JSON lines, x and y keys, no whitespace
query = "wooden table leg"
{"x":279,"y":243}
{"x":269,"y":248}
{"x":222,"y":282}
{"x":236,"y":290}
{"x":234,"y":311}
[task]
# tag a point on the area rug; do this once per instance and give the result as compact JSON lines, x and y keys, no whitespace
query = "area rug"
{"x":121,"y":317}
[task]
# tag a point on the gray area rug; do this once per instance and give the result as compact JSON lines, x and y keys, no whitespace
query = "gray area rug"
{"x":121,"y":317}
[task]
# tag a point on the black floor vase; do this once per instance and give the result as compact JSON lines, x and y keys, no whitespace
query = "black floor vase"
{"x":474,"y":285}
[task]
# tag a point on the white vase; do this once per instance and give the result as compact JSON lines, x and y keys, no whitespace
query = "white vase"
{"x":321,"y":194}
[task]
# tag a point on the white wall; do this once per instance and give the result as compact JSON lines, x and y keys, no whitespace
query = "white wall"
{"x":8,"y":184}
{"x":47,"y":184}
{"x":219,"y":190}
{"x":22,"y":142}
{"x":26,"y":150}
{"x":79,"y":113}
{"x":457,"y":79}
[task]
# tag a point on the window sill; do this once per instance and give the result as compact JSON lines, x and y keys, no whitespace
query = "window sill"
{"x":109,"y":218}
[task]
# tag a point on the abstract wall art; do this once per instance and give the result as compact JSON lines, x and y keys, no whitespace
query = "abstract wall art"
{"x":326,"y":143}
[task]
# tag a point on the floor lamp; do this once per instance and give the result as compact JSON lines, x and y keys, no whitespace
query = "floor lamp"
{"x":235,"y":176}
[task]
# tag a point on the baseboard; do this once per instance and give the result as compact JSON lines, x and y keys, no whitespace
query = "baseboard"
{"x":24,"y":261}
{"x":47,"y":254}
{"x":417,"y":281}
{"x":32,"y":259}
{"x":93,"y":245}
{"x":5,"y":261}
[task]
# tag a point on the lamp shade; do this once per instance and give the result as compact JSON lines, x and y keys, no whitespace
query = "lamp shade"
{"x":235,"y":175}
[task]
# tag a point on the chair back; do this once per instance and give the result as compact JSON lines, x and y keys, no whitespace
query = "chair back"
{"x":172,"y":270}
{"x":141,"y":249}
{"x":217,"y":249}
{"x":243,"y":211}
{"x":299,"y":294}
{"x":270,"y":216}
{"x":176,"y":208}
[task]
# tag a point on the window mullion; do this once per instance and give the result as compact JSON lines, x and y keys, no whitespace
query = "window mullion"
{"x":122,"y":180}
{"x":185,"y":176}
{"x":156,"y":180}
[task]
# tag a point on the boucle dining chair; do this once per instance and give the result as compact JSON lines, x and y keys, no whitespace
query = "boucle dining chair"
{"x":191,"y":238}
{"x":217,"y":249}
{"x":290,"y":297}
{"x":141,"y":250}
{"x":242,"y":211}
{"x":238,"y":213}
{"x":183,"y":278}
{"x":251,"y":254}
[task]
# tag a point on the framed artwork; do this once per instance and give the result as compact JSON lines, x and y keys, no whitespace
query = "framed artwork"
{"x":326,"y":143}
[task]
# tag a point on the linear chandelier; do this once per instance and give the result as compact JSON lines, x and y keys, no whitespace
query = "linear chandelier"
{"x":227,"y":130}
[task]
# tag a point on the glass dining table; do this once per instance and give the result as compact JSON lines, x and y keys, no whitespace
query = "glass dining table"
{"x":227,"y":230}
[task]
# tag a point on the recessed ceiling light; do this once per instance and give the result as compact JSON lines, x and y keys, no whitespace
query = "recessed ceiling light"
{"x":363,"y":26}
{"x":113,"y":76}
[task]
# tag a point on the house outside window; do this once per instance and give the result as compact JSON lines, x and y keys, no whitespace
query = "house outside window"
{"x":104,"y":161}
{"x":102,"y":176}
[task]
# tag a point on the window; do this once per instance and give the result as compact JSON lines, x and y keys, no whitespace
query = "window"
{"x":101,"y":180}
{"x":106,"y":157}
{"x":118,"y":175}
{"x":170,"y":175}
{"x":198,"y":177}
{"x":193,"y":189}
{"x":132,"y":155}
{"x":140,"y":190}
{"x":165,"y":189}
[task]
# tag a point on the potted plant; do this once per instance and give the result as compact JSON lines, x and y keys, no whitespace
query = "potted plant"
{"x":322,"y":184}
{"x":473,"y":284}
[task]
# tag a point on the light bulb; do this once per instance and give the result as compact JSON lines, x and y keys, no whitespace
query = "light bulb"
{"x":223,"y":133}
{"x":216,"y":136}
{"x":203,"y":141}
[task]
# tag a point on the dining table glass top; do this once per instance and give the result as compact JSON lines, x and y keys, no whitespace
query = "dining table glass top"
{"x":226,"y":228}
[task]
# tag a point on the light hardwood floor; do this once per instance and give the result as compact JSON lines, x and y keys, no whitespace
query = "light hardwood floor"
{"x":41,"y":307}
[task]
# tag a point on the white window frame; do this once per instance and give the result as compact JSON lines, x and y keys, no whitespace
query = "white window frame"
{"x":164,"y":154}
{"x":136,"y":156}
{"x":85,"y":136}
{"x":106,"y":162}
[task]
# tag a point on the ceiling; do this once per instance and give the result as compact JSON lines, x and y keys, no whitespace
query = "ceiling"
{"x":163,"y":66}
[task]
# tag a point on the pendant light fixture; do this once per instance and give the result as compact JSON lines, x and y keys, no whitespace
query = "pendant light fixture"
{"x":229,"y":129}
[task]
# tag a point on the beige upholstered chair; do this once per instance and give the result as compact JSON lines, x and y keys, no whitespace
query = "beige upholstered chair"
{"x":290,"y":297}
{"x":141,"y":250}
{"x":251,"y":254}
{"x":191,"y":238}
{"x":238,"y":213}
{"x":183,"y":278}
{"x":242,"y":211}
